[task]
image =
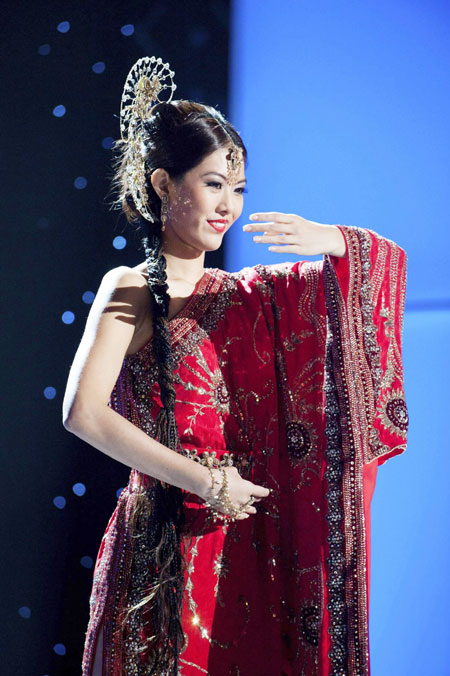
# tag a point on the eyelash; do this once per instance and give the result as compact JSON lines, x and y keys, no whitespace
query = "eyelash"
{"x":217,"y":183}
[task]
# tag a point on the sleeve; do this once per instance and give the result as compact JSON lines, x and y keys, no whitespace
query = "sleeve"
{"x":369,"y":287}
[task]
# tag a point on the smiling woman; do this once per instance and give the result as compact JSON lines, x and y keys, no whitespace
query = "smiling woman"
{"x":253,"y":409}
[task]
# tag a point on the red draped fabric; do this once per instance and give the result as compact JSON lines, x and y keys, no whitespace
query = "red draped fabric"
{"x":292,"y":373}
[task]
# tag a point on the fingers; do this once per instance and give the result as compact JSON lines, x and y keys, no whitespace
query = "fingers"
{"x":275,"y":216}
{"x":249,"y":509}
{"x":268,"y":227}
{"x":273,"y":238}
{"x":292,"y":248}
{"x":278,"y":221}
{"x":260,"y":491}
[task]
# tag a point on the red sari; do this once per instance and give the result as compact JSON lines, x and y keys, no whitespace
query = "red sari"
{"x":293,"y":373}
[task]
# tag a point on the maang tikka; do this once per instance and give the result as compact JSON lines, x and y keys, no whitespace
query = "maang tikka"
{"x":143,"y":87}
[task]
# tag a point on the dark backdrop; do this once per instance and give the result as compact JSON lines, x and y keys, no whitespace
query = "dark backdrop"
{"x":56,"y":245}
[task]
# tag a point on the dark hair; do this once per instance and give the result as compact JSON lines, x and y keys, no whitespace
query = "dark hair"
{"x":178,"y":136}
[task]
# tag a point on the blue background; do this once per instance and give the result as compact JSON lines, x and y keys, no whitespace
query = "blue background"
{"x":344,"y":108}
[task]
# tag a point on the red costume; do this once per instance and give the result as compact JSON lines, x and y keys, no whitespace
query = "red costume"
{"x":292,"y":372}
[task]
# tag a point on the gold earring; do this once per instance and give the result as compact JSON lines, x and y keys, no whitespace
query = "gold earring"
{"x":164,"y":211}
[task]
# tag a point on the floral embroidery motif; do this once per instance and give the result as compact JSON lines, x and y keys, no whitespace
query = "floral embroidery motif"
{"x":208,"y":383}
{"x":310,"y":624}
{"x":298,"y":440}
{"x":394,"y":413}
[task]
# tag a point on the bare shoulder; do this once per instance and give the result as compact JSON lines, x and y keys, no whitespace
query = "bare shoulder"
{"x":124,"y":277}
{"x":124,"y":285}
{"x":119,"y":308}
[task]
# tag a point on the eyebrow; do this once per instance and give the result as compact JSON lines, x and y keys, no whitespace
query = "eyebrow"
{"x":244,"y":180}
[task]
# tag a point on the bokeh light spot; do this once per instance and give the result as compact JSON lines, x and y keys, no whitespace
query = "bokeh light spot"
{"x":107,"y":142}
{"x":198,"y":37}
{"x":80,"y":183}
{"x":59,"y":649}
{"x":49,"y":393}
{"x":119,"y":242}
{"x":99,"y":67}
{"x":44,"y":50}
{"x":25,"y":612}
{"x":42,"y":223}
{"x":59,"y":502}
{"x":79,"y":489}
{"x":68,"y":317}
{"x":127,"y":30}
{"x":88,"y":297}
{"x":59,"y":111}
{"x":86,"y":562}
{"x":63,"y":27}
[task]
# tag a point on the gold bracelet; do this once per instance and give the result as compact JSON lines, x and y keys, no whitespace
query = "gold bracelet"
{"x":222,"y":500}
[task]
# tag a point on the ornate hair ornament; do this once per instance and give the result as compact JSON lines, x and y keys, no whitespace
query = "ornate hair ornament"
{"x":144,"y":87}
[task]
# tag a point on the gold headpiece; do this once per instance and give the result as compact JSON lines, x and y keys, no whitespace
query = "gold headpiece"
{"x":143,"y":87}
{"x":142,"y":90}
{"x":235,"y":159}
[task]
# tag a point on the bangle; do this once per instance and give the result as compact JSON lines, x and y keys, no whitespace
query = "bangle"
{"x":222,"y":500}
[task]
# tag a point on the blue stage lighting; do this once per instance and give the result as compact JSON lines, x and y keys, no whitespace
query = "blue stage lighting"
{"x":86,"y":562}
{"x":59,"y":111}
{"x":127,"y":30}
{"x":119,"y":242}
{"x":63,"y":27}
{"x":68,"y":317}
{"x":107,"y":142}
{"x":80,"y":183}
{"x":59,"y":502}
{"x":79,"y":489}
{"x":59,"y":649}
{"x":98,"y":67}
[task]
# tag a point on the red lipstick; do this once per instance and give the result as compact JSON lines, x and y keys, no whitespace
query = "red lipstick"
{"x":219,"y":225}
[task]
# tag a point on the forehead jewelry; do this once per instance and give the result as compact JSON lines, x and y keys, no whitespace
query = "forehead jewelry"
{"x":235,"y":160}
{"x":144,"y":87}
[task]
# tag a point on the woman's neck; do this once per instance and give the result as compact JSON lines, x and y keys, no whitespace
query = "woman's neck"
{"x":185,"y":269}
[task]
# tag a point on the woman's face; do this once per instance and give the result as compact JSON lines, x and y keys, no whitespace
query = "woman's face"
{"x":203,"y":206}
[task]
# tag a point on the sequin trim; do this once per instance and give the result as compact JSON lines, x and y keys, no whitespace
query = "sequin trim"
{"x":335,"y":579}
{"x":347,"y":585}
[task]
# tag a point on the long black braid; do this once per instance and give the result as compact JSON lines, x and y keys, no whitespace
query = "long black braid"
{"x":159,"y":539}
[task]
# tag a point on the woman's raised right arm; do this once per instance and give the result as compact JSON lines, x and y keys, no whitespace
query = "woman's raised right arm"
{"x":120,"y":304}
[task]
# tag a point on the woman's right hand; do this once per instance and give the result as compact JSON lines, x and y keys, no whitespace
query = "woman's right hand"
{"x":240,"y":491}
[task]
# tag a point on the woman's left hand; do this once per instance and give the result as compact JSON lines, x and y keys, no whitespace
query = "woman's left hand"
{"x":289,"y":233}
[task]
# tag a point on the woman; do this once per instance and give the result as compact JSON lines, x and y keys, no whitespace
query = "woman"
{"x":253,"y":409}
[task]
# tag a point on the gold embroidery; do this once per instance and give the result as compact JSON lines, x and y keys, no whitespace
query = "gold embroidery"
{"x":393,"y":412}
{"x":193,"y":607}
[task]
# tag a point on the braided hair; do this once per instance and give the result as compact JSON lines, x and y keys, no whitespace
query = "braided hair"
{"x":179,"y":135}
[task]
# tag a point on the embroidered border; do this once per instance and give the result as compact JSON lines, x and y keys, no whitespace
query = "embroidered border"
{"x":345,"y":497}
{"x":336,"y":558}
{"x":371,"y":347}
